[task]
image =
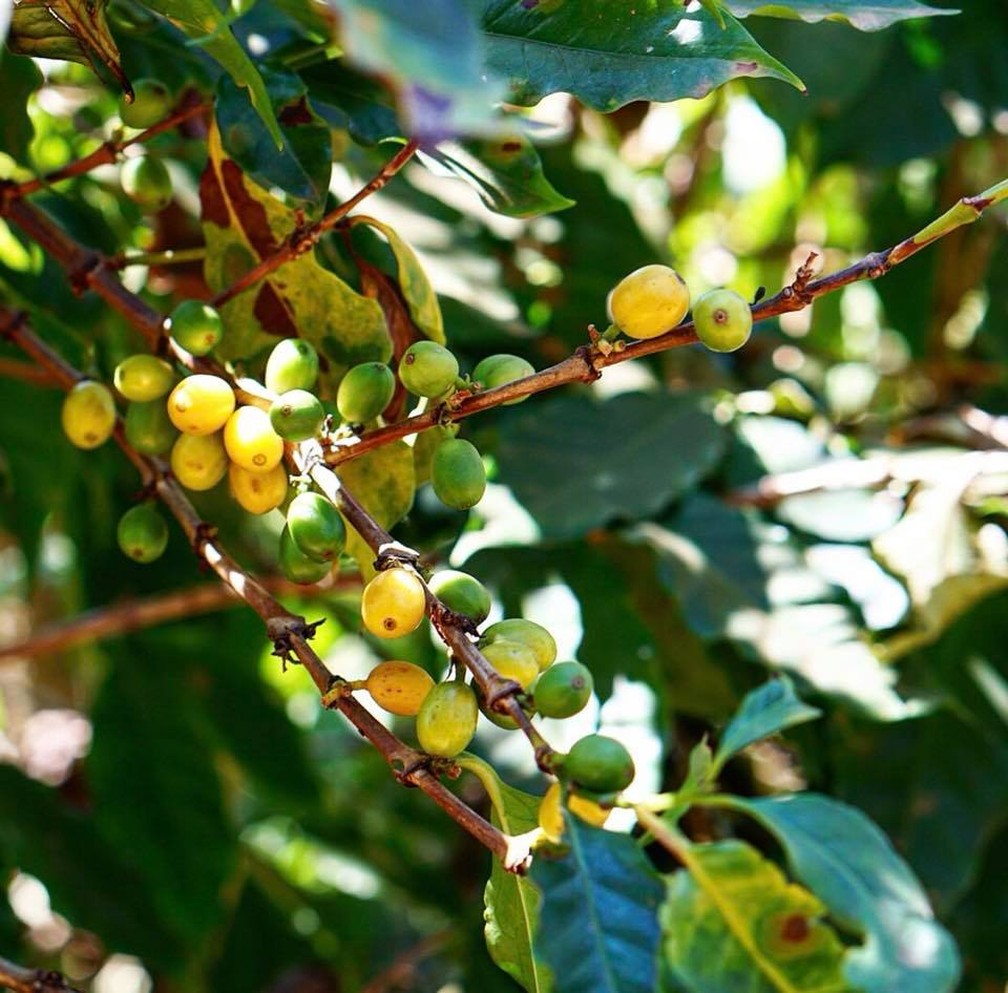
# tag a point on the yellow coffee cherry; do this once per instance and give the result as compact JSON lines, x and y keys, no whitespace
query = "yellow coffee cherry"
{"x":199,"y":461}
{"x":399,"y":687}
{"x":649,"y":301}
{"x":512,"y":660}
{"x":88,"y":414}
{"x":551,"y":819}
{"x":393,"y":603}
{"x":258,"y":492}
{"x":251,"y":441}
{"x":201,"y":404}
{"x":143,"y":377}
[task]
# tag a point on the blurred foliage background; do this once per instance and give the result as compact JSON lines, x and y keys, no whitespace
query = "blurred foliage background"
{"x":830,"y":502}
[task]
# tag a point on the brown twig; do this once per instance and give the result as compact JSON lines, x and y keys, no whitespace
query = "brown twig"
{"x":400,"y":972}
{"x":18,"y":979}
{"x":305,"y":238}
{"x":12,"y":369}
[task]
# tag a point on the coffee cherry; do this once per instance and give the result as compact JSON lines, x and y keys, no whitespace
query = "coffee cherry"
{"x":88,"y":414}
{"x":499,"y":370}
{"x":199,"y":461}
{"x":599,"y":764}
{"x":364,"y":392}
{"x":723,"y":320}
{"x":462,"y":593}
{"x":563,"y":690}
{"x":457,"y":474}
{"x":551,"y":817}
{"x":143,"y":377}
{"x":399,"y":687}
{"x":649,"y":301}
{"x":201,"y":404}
{"x":251,"y":441}
{"x":258,"y":492}
{"x":152,"y":101}
{"x":292,"y":365}
{"x":393,"y":603}
{"x":146,"y":182}
{"x":297,"y":415}
{"x":428,"y":369}
{"x":149,"y":428}
{"x":446,"y":721}
{"x":528,"y":633}
{"x":512,"y":660}
{"x":196,"y":326}
{"x":296,"y":566}
{"x":142,"y":533}
{"x":316,"y":527}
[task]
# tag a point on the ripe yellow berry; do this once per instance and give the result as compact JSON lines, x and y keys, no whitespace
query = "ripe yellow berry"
{"x":199,"y":461}
{"x":393,"y":603}
{"x":399,"y":687}
{"x":512,"y":660}
{"x":201,"y":404}
{"x":143,"y":377}
{"x":258,"y":492}
{"x":88,"y":414}
{"x":649,"y":301}
{"x":251,"y":441}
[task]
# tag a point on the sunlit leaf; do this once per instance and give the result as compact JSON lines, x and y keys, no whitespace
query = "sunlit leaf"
{"x":868,"y":15}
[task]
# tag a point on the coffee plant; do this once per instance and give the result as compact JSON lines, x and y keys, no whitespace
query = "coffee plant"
{"x":687,"y":677}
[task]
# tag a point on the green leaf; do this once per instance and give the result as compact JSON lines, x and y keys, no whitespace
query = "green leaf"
{"x":302,"y":168}
{"x":75,"y":30}
{"x":207,"y":26}
{"x":511,"y":901}
{"x":413,"y":282}
{"x":157,"y":797}
{"x":623,"y":52}
{"x":506,"y":172}
{"x":242,"y":225}
{"x":598,"y":926}
{"x":19,"y":78}
{"x":655,"y":448}
{"x":733,"y":923}
{"x":868,"y":15}
{"x":850,"y":865}
{"x":772,"y":707}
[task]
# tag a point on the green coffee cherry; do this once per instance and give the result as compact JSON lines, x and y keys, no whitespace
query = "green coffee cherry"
{"x":297,"y":415}
{"x":599,"y":764}
{"x":146,"y":182}
{"x":196,"y":326}
{"x":152,"y":101}
{"x":462,"y":593}
{"x":723,"y":320}
{"x":149,"y":428}
{"x":297,"y":566}
{"x":427,"y":369}
{"x":512,"y":660}
{"x":563,"y":690}
{"x":143,"y":377}
{"x":457,"y":474}
{"x":446,"y":721}
{"x":142,"y":533}
{"x":364,"y":392}
{"x":535,"y":636}
{"x":292,"y":365}
{"x":499,"y":370}
{"x":315,"y":527}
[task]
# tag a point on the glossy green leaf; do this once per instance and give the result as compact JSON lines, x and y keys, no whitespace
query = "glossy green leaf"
{"x":511,"y":901}
{"x":732,"y":922}
{"x":767,"y":710}
{"x":19,"y":78}
{"x":302,"y":168}
{"x":416,"y":289}
{"x":647,"y":51}
{"x":598,"y":922}
{"x":243,"y":224}
{"x":207,"y":26}
{"x":506,"y":172}
{"x":656,"y":447}
{"x":852,"y":867}
{"x":868,"y":15}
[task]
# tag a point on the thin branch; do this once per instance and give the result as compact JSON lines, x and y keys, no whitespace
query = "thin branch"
{"x":27,"y":373}
{"x":304,"y":239}
{"x":401,"y":971}
{"x":168,"y":256}
{"x":18,"y":979}
{"x":108,"y":151}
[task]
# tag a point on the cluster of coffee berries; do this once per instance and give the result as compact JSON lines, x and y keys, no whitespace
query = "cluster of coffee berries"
{"x":144,"y":178}
{"x":654,"y":299}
